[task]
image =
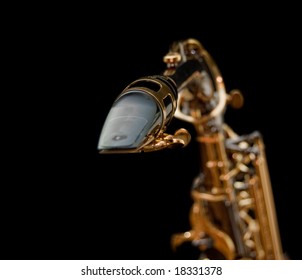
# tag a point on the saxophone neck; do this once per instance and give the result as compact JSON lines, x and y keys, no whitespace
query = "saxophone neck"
{"x":202,"y":97}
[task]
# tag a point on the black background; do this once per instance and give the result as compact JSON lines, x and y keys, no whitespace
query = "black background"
{"x":63,"y":200}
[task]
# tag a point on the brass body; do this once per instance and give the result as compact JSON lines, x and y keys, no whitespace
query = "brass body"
{"x":233,"y":213}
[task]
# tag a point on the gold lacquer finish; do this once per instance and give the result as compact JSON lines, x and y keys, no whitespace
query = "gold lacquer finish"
{"x":233,"y":213}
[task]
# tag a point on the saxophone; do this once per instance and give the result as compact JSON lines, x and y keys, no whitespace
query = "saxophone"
{"x":233,"y":213}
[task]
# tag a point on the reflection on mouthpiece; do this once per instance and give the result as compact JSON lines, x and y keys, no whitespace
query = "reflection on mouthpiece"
{"x":132,"y":117}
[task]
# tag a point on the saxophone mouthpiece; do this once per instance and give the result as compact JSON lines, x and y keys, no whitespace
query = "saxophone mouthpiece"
{"x":139,"y":115}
